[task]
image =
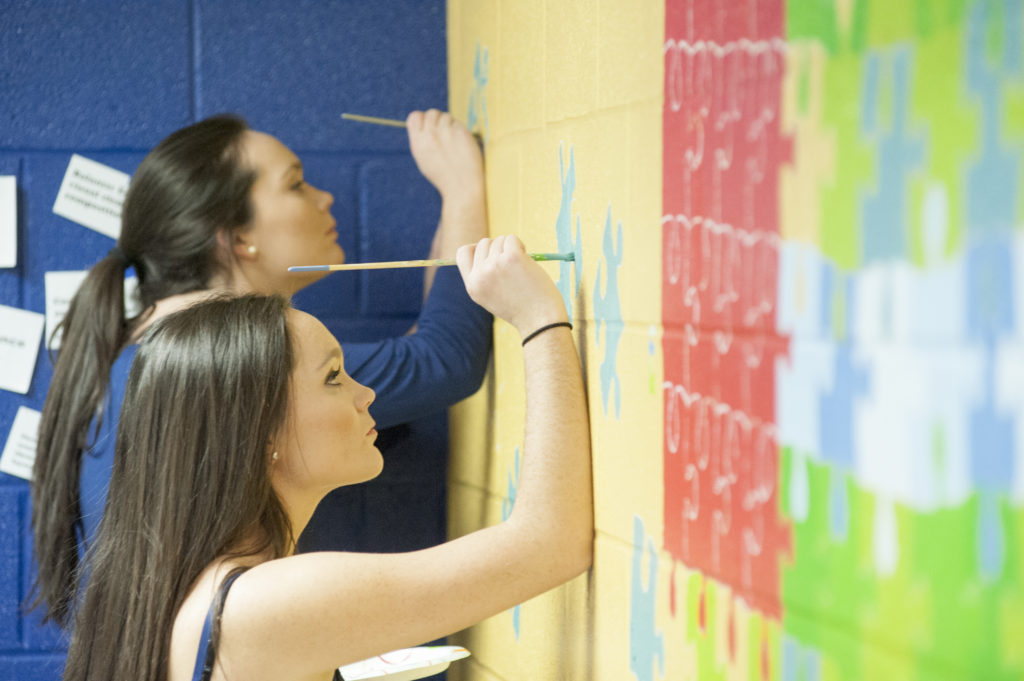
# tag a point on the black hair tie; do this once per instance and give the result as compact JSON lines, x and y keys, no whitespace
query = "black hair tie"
{"x":118,"y":254}
{"x":545,"y":328}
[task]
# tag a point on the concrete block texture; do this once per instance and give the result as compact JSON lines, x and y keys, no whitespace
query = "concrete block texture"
{"x":298,"y":66}
{"x":108,"y":80}
{"x":94,"y":75}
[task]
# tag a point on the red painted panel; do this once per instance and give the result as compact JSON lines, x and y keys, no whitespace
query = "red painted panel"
{"x":722,"y":152}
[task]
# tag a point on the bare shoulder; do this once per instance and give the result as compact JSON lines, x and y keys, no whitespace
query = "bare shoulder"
{"x":189,"y":621}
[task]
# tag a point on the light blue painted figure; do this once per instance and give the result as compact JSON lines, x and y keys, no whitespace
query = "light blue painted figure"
{"x":991,"y":198}
{"x":608,"y":312}
{"x":477,"y":98}
{"x":993,"y":177}
{"x":885,"y":231}
{"x":506,"y":510}
{"x":645,"y":642}
{"x":563,"y":233}
{"x":838,"y":404}
{"x":799,"y":663}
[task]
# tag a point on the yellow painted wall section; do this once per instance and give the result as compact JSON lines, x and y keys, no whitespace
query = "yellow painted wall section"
{"x":799,"y":231}
{"x":568,"y":96}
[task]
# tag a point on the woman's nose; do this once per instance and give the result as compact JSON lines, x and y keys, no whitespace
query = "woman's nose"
{"x":367,"y":397}
{"x":326,"y":199}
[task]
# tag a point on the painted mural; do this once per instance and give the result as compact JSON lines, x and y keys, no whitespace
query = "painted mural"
{"x":800,"y":308}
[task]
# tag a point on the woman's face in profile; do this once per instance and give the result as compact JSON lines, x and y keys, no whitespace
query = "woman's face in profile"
{"x":291,"y":222}
{"x":328,"y":440}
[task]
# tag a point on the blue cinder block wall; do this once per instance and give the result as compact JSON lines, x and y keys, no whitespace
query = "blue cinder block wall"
{"x":108,"y":79}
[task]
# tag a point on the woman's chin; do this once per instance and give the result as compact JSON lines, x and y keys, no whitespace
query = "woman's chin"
{"x":337,"y":255}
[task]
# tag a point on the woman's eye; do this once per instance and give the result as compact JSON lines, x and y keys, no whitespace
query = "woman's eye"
{"x":333,"y":376}
{"x":298,"y":185}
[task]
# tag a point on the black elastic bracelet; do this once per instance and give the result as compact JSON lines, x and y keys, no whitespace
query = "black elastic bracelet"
{"x":545,"y":328}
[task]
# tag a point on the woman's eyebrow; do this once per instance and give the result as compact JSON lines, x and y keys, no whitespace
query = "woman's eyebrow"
{"x":294,"y":167}
{"x":335,"y":352}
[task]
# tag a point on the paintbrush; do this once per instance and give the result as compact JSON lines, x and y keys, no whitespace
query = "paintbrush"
{"x":393,"y":123}
{"x":441,"y":262}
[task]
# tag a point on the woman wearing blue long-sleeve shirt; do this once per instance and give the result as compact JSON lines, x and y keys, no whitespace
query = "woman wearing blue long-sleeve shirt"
{"x":217,"y":207}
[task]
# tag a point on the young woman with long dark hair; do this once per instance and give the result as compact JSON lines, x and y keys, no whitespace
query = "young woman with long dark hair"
{"x":238,"y":418}
{"x":219,"y":208}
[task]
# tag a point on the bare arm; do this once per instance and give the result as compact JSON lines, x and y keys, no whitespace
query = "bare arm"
{"x":307,"y":614}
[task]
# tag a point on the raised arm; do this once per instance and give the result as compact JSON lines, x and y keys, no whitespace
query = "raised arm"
{"x":443,"y":362}
{"x":444,"y":358}
{"x":449,"y":157}
{"x":307,"y":614}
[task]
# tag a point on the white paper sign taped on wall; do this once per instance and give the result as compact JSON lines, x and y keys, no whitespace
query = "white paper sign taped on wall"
{"x":405,"y":664}
{"x":8,"y":221}
{"x":20,"y":333}
{"x":20,"y":451}
{"x":61,"y":288}
{"x":91,"y":195}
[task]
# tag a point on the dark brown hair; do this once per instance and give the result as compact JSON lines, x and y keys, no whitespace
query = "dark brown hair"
{"x":207,"y":394}
{"x":187,"y":189}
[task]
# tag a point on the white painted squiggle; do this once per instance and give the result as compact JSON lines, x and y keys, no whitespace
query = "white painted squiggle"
{"x":735,"y":266}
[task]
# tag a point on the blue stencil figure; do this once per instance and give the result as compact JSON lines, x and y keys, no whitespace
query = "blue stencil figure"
{"x":990,"y":544}
{"x":563,"y":234}
{"x":645,"y":642}
{"x":506,"y":510}
{"x":884,"y":226}
{"x":992,"y":446}
{"x":477,"y":99}
{"x":836,"y":406}
{"x":608,"y":311}
{"x":799,"y":663}
{"x":993,"y":179}
{"x":850,"y":383}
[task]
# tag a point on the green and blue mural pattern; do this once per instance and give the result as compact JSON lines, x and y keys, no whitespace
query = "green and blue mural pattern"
{"x":880,"y":184}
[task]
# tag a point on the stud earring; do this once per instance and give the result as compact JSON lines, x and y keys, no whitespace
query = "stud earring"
{"x":273,"y":457}
{"x":252,"y":250}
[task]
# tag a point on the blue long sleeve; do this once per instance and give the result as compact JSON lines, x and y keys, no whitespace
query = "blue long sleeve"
{"x":443,"y":362}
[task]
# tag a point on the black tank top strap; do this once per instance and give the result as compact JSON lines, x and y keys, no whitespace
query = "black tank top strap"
{"x":207,"y":653}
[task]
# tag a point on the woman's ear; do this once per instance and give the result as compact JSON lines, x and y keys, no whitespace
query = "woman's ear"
{"x":236,"y":244}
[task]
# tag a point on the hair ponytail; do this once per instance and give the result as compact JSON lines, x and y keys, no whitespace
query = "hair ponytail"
{"x":93,"y":334}
{"x":188,"y":188}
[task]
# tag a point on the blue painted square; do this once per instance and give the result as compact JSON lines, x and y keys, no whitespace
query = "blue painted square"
{"x":11,"y":508}
{"x":93,"y":74}
{"x":295,"y":67}
{"x":334,"y":296}
{"x":21,"y":667}
{"x":399,"y":212}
